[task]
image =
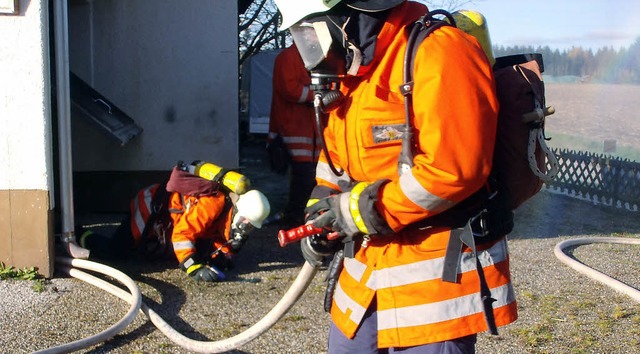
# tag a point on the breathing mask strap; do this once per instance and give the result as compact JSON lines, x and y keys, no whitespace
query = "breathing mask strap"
{"x":349,"y":45}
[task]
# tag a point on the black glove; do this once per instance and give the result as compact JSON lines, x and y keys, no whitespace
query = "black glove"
{"x":350,"y":213}
{"x":238,"y":241}
{"x":240,"y":234}
{"x":221,"y":261}
{"x":207,"y":274}
{"x":317,"y":247}
{"x":326,"y":214}
{"x":201,"y":272}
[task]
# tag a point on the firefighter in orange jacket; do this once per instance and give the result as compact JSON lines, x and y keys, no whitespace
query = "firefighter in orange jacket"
{"x":390,"y":292}
{"x":292,"y":119}
{"x":198,"y":221}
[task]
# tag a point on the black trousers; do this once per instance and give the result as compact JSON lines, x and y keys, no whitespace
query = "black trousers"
{"x":117,"y":245}
{"x":302,"y":179}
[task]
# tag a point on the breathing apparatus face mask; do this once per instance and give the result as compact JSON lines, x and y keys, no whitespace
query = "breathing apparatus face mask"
{"x":242,"y":226}
{"x":323,"y":45}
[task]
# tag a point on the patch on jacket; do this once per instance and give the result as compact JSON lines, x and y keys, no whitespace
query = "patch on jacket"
{"x":384,"y":133}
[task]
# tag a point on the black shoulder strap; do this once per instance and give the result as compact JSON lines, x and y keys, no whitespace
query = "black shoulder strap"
{"x":420,"y":30}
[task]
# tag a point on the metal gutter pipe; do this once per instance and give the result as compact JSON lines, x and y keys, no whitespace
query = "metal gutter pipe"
{"x":61,"y":41}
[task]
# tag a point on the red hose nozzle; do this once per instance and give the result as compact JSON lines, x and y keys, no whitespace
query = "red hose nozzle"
{"x":285,"y":237}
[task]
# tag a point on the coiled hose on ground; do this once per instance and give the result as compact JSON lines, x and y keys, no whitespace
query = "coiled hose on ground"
{"x":71,"y":265}
{"x":297,"y":288}
{"x":592,"y":273}
{"x":134,"y":296}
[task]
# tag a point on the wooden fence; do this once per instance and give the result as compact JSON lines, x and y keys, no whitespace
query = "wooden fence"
{"x":598,"y":178}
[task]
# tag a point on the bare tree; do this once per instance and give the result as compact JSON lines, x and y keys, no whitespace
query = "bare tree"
{"x":259,"y":21}
{"x":258,"y":29}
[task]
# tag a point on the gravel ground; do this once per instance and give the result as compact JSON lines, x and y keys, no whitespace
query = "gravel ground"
{"x":561,"y":311}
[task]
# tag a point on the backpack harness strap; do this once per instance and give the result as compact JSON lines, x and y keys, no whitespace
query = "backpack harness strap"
{"x":458,"y":238}
{"x":420,"y":30}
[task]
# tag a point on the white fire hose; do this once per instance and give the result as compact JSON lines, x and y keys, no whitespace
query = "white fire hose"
{"x":592,"y":273}
{"x":134,"y":298}
{"x":297,"y":288}
{"x":135,"y":301}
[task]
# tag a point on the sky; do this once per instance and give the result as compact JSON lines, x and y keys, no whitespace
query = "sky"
{"x":560,"y":24}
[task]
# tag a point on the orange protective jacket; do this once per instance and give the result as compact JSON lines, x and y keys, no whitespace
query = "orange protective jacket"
{"x":292,"y":114}
{"x":194,"y":218}
{"x":141,"y":207}
{"x":454,"y":116}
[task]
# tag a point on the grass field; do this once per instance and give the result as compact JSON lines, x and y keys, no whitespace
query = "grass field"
{"x":588,"y":114}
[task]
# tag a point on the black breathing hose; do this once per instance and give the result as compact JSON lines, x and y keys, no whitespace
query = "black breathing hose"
{"x":318,"y":105}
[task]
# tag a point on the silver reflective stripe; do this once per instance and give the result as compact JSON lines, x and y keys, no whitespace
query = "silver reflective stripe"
{"x":355,"y":268}
{"x":344,"y":303}
{"x":297,"y":140}
{"x":183,"y":245}
{"x":443,"y":310}
{"x":432,"y":269}
{"x":345,"y":210}
{"x":304,"y":94}
{"x":139,"y":218}
{"x":324,"y":172}
{"x":300,"y":152}
{"x":423,"y":270}
{"x":413,"y":190}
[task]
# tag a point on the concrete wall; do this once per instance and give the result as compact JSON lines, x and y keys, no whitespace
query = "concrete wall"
{"x":26,"y":177}
{"x":170,"y":65}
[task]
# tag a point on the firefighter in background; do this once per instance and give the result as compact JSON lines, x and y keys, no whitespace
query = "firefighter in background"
{"x":202,"y":217}
{"x":292,"y":120}
{"x":387,"y":226}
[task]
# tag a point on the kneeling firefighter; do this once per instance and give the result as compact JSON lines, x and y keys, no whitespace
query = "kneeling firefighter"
{"x":201,"y":216}
{"x":405,"y":281}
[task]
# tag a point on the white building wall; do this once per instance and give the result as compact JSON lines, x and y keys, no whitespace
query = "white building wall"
{"x":170,"y":65}
{"x":25,"y":129}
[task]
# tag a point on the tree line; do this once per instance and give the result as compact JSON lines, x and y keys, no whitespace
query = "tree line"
{"x":258,"y":31}
{"x":605,"y":65}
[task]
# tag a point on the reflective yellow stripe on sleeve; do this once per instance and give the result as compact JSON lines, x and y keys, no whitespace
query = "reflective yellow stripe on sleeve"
{"x":354,"y":209}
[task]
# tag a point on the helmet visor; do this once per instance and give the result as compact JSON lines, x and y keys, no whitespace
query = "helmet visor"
{"x":313,"y":40}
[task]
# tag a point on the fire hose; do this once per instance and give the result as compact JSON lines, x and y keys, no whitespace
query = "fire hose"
{"x":134,"y":298}
{"x":72,"y":267}
{"x":592,"y":273}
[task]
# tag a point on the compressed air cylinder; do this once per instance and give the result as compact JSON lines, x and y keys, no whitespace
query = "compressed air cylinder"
{"x":474,"y":23}
{"x":234,"y":181}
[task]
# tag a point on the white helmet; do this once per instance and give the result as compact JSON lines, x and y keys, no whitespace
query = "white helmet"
{"x":295,"y":10}
{"x":254,"y":206}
